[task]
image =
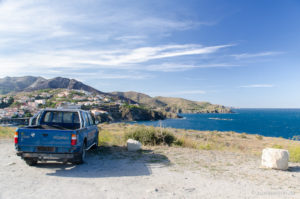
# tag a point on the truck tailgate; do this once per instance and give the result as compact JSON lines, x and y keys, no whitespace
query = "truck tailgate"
{"x":45,"y":137}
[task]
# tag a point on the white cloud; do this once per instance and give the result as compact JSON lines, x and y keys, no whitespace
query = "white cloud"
{"x":44,"y":20}
{"x":261,"y":54}
{"x":258,"y":86}
{"x":117,"y":59}
{"x":174,"y":67}
{"x":50,"y":36}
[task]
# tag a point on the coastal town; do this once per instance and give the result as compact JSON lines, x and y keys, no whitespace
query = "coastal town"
{"x":28,"y":103}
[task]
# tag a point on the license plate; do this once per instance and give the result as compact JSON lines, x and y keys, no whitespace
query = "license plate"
{"x":45,"y":149}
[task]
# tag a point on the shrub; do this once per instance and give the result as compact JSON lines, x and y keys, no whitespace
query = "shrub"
{"x":150,"y":135}
{"x":294,"y":153}
{"x":243,"y":135}
{"x":186,"y":142}
{"x":205,"y":147}
{"x":277,"y":146}
{"x":179,"y":142}
{"x":259,"y":137}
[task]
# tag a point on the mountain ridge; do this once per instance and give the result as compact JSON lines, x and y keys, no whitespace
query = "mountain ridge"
{"x":166,"y":104}
{"x":31,"y":83}
{"x":172,"y":104}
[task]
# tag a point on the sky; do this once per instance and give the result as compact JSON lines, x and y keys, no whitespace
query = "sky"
{"x":235,"y":53}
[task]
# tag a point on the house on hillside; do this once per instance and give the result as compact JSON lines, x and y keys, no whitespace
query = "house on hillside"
{"x":40,"y":101}
{"x":98,"y":112}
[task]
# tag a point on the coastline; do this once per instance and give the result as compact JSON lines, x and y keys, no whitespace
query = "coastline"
{"x":270,"y":123}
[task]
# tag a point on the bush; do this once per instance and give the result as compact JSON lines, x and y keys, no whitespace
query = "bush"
{"x":150,"y":135}
{"x":205,"y":147}
{"x":277,"y":146}
{"x":179,"y":142}
{"x":259,"y":137}
{"x":243,"y":135}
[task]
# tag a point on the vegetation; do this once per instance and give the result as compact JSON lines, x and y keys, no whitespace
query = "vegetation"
{"x":277,"y":146}
{"x":259,"y":137}
{"x":149,"y":135}
{"x":116,"y":134}
{"x":7,"y":132}
{"x":8,"y":103}
{"x":109,"y":138}
{"x":294,"y":153}
{"x":49,"y":104}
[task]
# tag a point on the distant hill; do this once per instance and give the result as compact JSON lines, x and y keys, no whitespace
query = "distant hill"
{"x":141,"y":98}
{"x":165,"y":104}
{"x":30,"y":83}
{"x":172,"y":104}
{"x":16,"y":84}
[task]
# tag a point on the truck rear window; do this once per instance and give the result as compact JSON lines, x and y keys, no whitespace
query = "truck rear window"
{"x":64,"y":119}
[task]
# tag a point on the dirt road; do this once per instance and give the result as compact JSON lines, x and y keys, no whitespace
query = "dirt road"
{"x":159,"y":172}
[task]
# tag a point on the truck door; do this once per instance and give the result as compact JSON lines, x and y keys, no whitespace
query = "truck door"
{"x":89,"y":129}
{"x":94,"y":128}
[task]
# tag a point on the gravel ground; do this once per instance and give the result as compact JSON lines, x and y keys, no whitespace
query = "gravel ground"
{"x":159,"y":172}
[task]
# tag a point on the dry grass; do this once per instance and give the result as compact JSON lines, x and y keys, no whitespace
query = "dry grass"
{"x":209,"y":140}
{"x":294,"y":153}
{"x":111,"y":137}
{"x":7,"y":132}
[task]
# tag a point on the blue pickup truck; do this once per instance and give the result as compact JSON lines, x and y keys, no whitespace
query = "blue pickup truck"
{"x":57,"y":134}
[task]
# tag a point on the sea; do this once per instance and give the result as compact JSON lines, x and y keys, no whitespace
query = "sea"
{"x":266,"y":122}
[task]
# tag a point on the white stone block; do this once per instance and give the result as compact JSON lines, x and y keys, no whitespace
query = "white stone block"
{"x":275,"y":159}
{"x":133,"y":145}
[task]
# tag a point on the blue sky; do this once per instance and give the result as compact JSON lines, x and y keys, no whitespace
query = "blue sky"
{"x":236,"y":53}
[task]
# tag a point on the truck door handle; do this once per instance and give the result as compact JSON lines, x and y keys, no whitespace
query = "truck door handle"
{"x":45,"y":135}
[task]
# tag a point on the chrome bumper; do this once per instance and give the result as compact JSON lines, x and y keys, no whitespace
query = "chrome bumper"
{"x":46,"y":156}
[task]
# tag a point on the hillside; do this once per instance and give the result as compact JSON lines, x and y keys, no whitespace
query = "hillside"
{"x":145,"y":107}
{"x":142,"y":98}
{"x":30,"y":83}
{"x":174,"y":105}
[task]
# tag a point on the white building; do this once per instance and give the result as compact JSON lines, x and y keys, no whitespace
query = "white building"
{"x":40,"y":101}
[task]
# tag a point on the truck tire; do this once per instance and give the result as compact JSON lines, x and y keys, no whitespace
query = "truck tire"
{"x":81,"y":156}
{"x":31,"y":162}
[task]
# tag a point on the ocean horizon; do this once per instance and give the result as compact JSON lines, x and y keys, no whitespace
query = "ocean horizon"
{"x":271,"y":122}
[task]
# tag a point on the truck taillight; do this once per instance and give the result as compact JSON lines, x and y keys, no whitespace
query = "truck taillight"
{"x":73,"y":139}
{"x":16,"y":137}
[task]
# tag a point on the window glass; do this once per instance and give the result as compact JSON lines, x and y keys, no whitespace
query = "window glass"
{"x":87,"y":119}
{"x":61,"y":117}
{"x":47,"y":117}
{"x":69,"y":117}
{"x":57,"y":117}
{"x":91,"y":119}
{"x":76,"y":118}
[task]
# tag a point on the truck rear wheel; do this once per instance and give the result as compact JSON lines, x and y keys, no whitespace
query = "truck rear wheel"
{"x":81,"y":156}
{"x":31,"y":162}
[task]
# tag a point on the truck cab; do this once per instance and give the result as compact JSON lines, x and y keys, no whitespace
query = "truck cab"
{"x":57,"y":134}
